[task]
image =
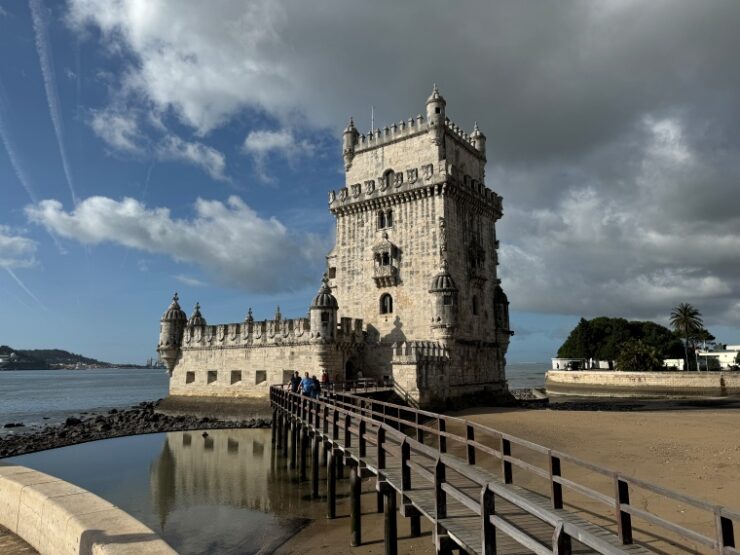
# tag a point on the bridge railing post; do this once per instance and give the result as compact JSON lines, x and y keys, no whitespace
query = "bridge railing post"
{"x":347,"y":432}
{"x":440,"y":495}
{"x":488,"y":531}
{"x":361,"y":441}
{"x":335,"y":424}
{"x":470,"y":436}
{"x":380,"y":455}
{"x":326,"y":420}
{"x":556,"y":489}
{"x":561,"y":542}
{"x":419,"y":431}
{"x":405,"y":468}
{"x":624,"y":519}
{"x":506,"y":466}
{"x":442,"y":440}
{"x":725,"y":531}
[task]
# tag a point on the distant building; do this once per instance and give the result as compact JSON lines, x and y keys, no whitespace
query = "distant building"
{"x":411,"y":294}
{"x":720,"y":359}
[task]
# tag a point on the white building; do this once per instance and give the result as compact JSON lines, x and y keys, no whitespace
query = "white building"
{"x":725,"y":358}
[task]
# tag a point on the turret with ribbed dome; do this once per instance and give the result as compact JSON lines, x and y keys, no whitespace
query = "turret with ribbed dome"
{"x":501,"y":310}
{"x":444,"y":291}
{"x":349,"y":142}
{"x":436,"y":116}
{"x":196,"y":318}
{"x":171,"y":329}
{"x":323,"y":312}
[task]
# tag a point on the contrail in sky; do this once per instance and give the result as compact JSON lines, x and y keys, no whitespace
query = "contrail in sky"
{"x":16,"y":164}
{"x":40,"y":29}
{"x":26,"y":289}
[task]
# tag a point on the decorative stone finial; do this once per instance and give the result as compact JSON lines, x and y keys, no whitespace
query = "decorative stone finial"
{"x":250,"y":318}
{"x":278,"y":316}
{"x":175,"y":297}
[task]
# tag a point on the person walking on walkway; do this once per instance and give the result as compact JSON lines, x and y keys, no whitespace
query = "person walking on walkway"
{"x":307,"y":385}
{"x":316,"y":387}
{"x":295,"y":381}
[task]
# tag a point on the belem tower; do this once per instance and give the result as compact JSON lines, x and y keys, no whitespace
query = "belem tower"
{"x":410,"y":295}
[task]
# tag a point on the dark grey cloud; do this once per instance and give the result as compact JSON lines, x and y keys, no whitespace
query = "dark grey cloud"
{"x":612,"y":126}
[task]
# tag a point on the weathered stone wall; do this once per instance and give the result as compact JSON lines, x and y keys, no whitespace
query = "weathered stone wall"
{"x":56,"y":518}
{"x":640,"y":384}
{"x":243,"y":371}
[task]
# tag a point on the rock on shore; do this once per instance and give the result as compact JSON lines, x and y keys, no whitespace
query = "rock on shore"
{"x":140,"y":419}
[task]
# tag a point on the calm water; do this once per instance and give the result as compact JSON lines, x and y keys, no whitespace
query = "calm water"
{"x":29,"y":396}
{"x":526,"y":374}
{"x":224,"y":493}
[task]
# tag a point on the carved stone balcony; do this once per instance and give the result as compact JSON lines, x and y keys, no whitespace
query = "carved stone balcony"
{"x":386,"y":276}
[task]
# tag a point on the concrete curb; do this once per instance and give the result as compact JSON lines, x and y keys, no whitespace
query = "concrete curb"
{"x":59,"y":518}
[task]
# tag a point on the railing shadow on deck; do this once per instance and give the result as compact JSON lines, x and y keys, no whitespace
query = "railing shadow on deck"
{"x":402,"y":431}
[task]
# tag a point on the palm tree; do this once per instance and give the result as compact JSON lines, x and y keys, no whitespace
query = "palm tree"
{"x":686,"y":320}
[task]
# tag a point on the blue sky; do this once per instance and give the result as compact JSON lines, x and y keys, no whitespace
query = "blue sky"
{"x":147,"y":147}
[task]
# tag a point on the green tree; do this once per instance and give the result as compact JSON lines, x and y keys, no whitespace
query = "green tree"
{"x":686,"y":321}
{"x":636,"y":356}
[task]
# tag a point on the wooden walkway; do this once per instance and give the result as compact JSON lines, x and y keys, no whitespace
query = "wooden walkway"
{"x":472,"y":508}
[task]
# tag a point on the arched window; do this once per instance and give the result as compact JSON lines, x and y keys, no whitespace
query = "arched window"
{"x":475,"y":305}
{"x":386,"y":258}
{"x":389,"y":218}
{"x":386,"y":304}
{"x":381,"y":220}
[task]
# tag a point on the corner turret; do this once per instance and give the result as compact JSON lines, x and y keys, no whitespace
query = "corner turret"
{"x":479,"y":139}
{"x":444,"y":292}
{"x":349,"y":142}
{"x":323,"y":312}
{"x":501,"y":310}
{"x":196,"y":319}
{"x":171,"y":329}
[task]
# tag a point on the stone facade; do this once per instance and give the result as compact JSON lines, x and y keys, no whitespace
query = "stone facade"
{"x":411,"y":291}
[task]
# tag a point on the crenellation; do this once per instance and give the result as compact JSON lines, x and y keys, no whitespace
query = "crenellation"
{"x":411,"y":290}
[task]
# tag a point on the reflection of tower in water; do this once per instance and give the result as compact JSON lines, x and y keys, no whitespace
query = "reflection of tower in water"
{"x":226,"y":467}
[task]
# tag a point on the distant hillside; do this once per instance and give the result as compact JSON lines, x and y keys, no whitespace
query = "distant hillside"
{"x":46,"y":359}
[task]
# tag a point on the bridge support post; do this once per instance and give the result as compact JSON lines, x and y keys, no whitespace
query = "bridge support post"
{"x":624,"y":519}
{"x":414,"y":520}
{"x":315,"y":466}
{"x":340,"y":465}
{"x":380,"y":502}
{"x":390,"y":524}
{"x":355,"y":511}
{"x":303,"y":454}
{"x":561,"y":543}
{"x":279,"y":430}
{"x":331,"y":484}
{"x":273,"y":425}
{"x":293,"y":444}
{"x":286,"y":431}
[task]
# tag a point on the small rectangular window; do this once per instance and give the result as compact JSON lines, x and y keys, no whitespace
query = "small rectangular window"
{"x":447,"y":300}
{"x":212,"y":376}
{"x":187,"y":439}
{"x":232,"y":446}
{"x":332,"y":272}
{"x":236,"y":376}
{"x":208,"y":443}
{"x":189,"y":377}
{"x":260,"y":376}
{"x":389,"y":218}
{"x":324,"y":316}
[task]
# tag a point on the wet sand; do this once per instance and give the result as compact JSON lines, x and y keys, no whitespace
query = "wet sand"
{"x":692,"y":451}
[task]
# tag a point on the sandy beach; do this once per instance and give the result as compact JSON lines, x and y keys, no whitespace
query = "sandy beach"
{"x":692,"y":451}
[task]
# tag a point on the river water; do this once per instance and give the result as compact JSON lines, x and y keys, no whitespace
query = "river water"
{"x":40,"y":397}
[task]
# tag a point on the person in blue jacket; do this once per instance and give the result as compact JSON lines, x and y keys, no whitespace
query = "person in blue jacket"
{"x":307,"y":386}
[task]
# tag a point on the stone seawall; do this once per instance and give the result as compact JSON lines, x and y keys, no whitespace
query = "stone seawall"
{"x":59,"y":518}
{"x":609,"y":383}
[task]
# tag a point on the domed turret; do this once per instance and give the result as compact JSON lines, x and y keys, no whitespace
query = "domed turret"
{"x":323,"y":312}
{"x":436,"y":107}
{"x":196,"y":319}
{"x":171,"y":329}
{"x":444,"y":291}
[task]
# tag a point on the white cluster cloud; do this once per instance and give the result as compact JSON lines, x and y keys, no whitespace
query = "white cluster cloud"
{"x":229,"y":241}
{"x":16,"y":251}
{"x":260,"y":144}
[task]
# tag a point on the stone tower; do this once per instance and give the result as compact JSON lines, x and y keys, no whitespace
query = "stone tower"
{"x":416,"y":255}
